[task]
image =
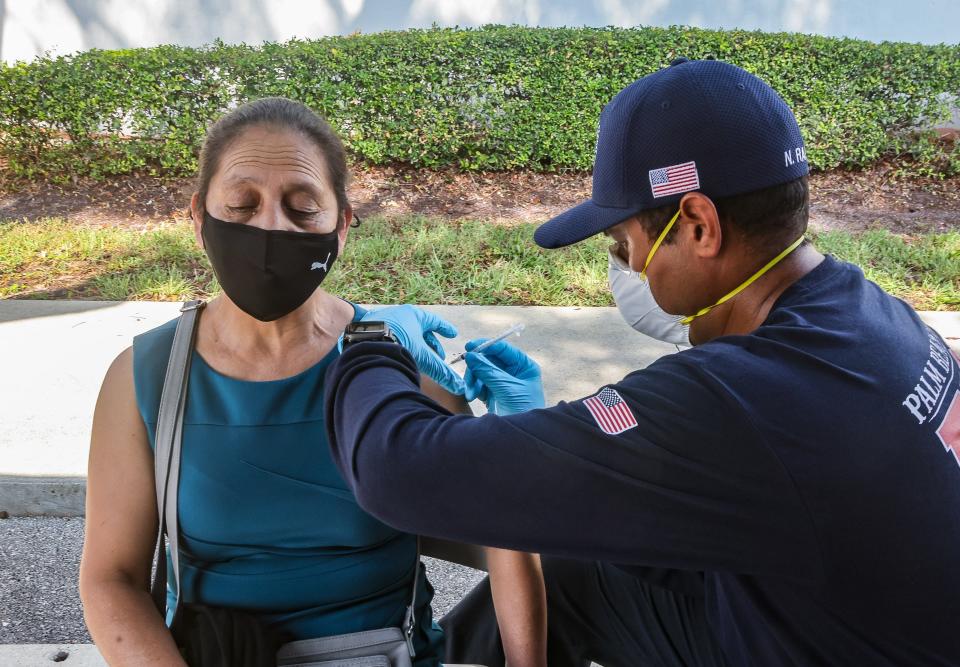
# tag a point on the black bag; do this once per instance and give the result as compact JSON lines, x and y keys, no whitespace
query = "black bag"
{"x":221,"y":637}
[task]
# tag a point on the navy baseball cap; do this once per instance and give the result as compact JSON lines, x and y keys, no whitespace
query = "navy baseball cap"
{"x":697,"y":125}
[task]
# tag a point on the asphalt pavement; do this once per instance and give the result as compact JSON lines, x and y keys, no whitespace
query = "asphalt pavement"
{"x":39,"y":566}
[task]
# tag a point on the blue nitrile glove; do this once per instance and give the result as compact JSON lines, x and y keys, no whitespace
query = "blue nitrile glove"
{"x":414,"y":329}
{"x":503,"y":377}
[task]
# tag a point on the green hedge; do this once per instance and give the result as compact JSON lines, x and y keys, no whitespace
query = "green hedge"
{"x":493,"y":98}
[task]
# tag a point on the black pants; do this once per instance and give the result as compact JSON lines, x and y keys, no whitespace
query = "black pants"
{"x":598,"y":612}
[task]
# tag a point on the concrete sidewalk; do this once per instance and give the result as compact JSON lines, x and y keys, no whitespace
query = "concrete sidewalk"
{"x":54,"y":355}
{"x":40,"y":655}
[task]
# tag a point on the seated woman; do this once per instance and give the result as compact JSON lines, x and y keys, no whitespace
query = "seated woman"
{"x":267,"y":525}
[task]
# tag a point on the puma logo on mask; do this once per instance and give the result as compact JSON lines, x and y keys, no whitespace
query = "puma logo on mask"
{"x":321,"y":265}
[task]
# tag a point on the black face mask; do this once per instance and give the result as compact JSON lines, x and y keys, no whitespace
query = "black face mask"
{"x":267,"y":273}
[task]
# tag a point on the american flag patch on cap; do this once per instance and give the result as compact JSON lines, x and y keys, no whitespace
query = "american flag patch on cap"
{"x":610,"y":411}
{"x":671,"y":180}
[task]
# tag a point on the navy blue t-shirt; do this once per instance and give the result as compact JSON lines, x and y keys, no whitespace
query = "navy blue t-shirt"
{"x":808,"y":469}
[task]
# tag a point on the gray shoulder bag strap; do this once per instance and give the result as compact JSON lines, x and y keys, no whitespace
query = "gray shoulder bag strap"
{"x":173,"y":402}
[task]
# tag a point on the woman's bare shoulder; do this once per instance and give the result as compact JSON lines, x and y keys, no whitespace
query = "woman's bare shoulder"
{"x":117,"y":404}
{"x":120,"y":372}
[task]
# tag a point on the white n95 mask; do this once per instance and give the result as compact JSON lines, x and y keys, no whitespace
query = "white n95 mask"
{"x":636,"y":303}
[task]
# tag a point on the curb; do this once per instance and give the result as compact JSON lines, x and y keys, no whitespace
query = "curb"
{"x":42,"y":496}
{"x":42,"y":655}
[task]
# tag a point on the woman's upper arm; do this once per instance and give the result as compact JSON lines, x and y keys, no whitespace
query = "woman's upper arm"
{"x":121,"y":523}
{"x":455,"y":403}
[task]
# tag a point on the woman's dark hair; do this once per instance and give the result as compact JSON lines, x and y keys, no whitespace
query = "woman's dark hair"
{"x":774,"y":215}
{"x":280,"y":113}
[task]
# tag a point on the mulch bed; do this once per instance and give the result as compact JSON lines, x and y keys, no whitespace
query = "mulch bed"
{"x":851,"y":201}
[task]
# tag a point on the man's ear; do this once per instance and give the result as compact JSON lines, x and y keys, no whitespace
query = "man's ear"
{"x":344,"y":229}
{"x":701,"y":224}
{"x":197,"y":216}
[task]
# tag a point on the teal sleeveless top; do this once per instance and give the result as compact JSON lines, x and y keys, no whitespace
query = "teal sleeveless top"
{"x":267,"y":525}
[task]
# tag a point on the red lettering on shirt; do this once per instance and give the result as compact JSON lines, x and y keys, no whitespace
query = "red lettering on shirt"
{"x":949,"y":431}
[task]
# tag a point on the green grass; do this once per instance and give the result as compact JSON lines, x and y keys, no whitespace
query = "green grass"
{"x":923,"y":270}
{"x":53,"y":259}
{"x":419,"y":260}
{"x":415,"y":260}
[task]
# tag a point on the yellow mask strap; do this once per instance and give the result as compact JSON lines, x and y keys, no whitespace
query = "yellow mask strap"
{"x":656,"y":244}
{"x":749,"y":281}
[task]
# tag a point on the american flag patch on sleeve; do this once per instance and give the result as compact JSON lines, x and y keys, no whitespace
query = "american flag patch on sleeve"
{"x":610,"y":411}
{"x":671,"y":180}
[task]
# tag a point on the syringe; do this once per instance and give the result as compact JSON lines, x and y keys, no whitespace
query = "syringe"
{"x":515,"y":329}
